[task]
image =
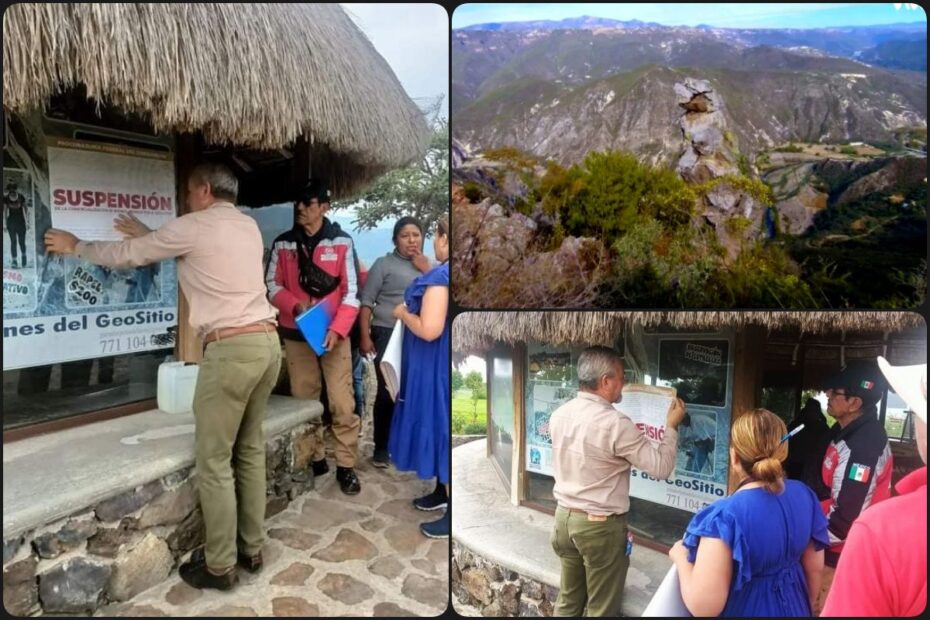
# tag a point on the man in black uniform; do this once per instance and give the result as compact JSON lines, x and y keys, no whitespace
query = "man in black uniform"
{"x":14,"y":211}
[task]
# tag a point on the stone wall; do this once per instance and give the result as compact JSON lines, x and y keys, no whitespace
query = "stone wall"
{"x":495,"y":590}
{"x":130,"y":542}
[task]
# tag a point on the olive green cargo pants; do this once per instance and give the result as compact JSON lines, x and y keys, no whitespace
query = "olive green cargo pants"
{"x":234,"y":382}
{"x":594,"y":563}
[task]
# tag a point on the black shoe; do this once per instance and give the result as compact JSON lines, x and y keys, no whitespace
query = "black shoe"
{"x":381,"y":459}
{"x":195,"y":574}
{"x":24,"y":261}
{"x":251,"y":563}
{"x":320,"y":468}
{"x":438,"y":528}
{"x":348,"y":481}
{"x":15,"y":266}
{"x":434,"y":501}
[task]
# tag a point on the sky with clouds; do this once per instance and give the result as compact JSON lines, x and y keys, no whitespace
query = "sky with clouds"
{"x":734,"y":15}
{"x":414,"y":39}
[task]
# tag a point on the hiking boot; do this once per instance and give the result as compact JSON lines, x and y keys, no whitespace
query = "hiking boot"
{"x":23,"y":261}
{"x":194,"y":572}
{"x":14,"y":265}
{"x":320,"y":468}
{"x":348,"y":481}
{"x":434,"y":501}
{"x":381,"y":459}
{"x":438,"y":528}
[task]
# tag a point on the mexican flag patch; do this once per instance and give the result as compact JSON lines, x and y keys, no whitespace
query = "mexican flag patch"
{"x":860,"y":473}
{"x":867,"y":385}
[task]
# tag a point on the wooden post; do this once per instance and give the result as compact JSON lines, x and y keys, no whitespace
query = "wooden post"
{"x":749,"y":360}
{"x":518,"y":470}
{"x":189,"y":347}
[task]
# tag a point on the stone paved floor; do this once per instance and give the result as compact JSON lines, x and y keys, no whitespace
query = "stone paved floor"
{"x":329,"y":554}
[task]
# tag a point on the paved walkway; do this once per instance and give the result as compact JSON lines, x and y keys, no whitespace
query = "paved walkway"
{"x":329,"y":554}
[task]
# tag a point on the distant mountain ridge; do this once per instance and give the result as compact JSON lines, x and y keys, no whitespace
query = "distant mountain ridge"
{"x":480,"y":50}
{"x":555,"y":24}
{"x":563,"y":93}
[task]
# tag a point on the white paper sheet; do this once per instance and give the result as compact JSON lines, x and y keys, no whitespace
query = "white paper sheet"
{"x":667,"y":601}
{"x":390,"y":363}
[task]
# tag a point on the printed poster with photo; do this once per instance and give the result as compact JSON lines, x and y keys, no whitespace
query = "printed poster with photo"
{"x":19,"y":245}
{"x":125,"y":180}
{"x":80,"y":310}
{"x":698,"y":371}
{"x":551,"y":382}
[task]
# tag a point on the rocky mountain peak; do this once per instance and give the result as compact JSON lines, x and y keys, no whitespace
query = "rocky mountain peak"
{"x":709,"y":153}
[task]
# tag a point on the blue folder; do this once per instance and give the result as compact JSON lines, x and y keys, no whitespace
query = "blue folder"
{"x":313,"y":324}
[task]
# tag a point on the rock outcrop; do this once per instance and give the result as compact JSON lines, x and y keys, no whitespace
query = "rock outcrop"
{"x":499,"y":262}
{"x":711,"y":153}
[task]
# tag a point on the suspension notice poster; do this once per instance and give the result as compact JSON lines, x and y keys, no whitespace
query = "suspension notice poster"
{"x":66,"y":309}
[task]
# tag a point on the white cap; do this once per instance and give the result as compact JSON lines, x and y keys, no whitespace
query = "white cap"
{"x":910,"y":383}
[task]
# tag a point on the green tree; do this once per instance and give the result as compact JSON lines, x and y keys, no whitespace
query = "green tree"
{"x":458,"y":381}
{"x":479,"y":391}
{"x":420,"y":190}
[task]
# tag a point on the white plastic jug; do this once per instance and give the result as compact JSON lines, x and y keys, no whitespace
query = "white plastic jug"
{"x":176,"y":383}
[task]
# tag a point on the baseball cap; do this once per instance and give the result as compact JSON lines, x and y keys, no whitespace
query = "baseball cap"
{"x":315,"y":188}
{"x":862,"y":379}
{"x":910,"y":383}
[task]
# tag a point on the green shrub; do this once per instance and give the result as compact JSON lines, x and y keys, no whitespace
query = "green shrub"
{"x":848,"y":150}
{"x":609,"y":192}
{"x":790,"y":148}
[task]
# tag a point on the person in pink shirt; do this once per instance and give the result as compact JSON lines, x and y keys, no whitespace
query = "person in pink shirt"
{"x":883,"y":568}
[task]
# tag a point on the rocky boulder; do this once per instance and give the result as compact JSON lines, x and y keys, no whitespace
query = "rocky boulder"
{"x":73,"y":587}
{"x":499,"y":262}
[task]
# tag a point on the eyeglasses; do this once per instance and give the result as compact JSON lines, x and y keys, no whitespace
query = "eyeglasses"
{"x":832,"y":393}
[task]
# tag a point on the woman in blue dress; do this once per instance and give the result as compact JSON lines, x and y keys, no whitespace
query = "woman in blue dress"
{"x":419,"y":437}
{"x":758,"y":552}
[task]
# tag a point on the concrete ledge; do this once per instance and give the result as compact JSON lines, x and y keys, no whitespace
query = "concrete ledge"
{"x":52,"y":476}
{"x":516,"y":538}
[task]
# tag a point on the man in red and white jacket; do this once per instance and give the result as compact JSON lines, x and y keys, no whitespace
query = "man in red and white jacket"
{"x":857,"y":466}
{"x":883,"y":570}
{"x":311,"y":264}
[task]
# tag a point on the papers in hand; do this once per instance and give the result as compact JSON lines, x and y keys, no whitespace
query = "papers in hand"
{"x":667,"y":601}
{"x":313,"y":324}
{"x":390,"y":362}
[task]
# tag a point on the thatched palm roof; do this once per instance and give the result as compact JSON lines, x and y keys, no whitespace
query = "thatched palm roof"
{"x":255,"y":75}
{"x":477,"y":331}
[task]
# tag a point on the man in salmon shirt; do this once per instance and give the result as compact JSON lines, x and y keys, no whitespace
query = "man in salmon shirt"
{"x":314,"y":263}
{"x":883,"y":569}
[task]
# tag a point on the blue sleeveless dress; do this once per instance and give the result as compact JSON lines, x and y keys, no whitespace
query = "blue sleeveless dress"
{"x":419,"y":438}
{"x":768,"y":534}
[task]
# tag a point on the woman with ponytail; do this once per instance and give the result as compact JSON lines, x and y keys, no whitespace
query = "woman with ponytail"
{"x":758,"y":552}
